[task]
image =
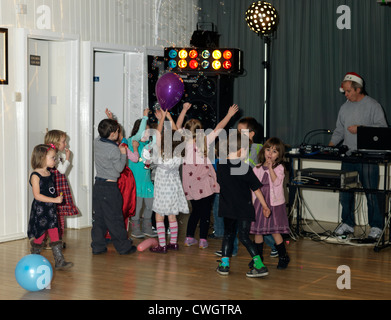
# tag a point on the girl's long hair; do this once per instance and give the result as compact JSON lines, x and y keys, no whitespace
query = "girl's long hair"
{"x":280,"y":147}
{"x":198,"y":135}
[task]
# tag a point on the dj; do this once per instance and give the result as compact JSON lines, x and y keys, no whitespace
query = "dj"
{"x":358,"y":110}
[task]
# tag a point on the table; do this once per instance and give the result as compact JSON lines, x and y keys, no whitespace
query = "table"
{"x":384,"y":159}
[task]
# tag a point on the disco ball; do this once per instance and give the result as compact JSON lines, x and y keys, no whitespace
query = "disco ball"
{"x":262,"y":18}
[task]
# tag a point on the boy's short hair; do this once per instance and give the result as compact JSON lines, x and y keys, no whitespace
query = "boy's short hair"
{"x":253,"y":125}
{"x":106,"y":127}
{"x":234,"y":142}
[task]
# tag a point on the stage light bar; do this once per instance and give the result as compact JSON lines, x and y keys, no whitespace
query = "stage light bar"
{"x":208,"y":61}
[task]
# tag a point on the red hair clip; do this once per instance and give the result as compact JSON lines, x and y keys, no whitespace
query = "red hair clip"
{"x":52,"y":146}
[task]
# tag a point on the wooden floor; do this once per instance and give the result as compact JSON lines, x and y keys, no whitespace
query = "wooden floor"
{"x":189,"y":274}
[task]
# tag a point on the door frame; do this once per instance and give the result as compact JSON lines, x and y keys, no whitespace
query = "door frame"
{"x":88,"y":48}
{"x":21,"y":86}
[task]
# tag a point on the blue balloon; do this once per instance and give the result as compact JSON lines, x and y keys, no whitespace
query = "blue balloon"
{"x":34,"y":272}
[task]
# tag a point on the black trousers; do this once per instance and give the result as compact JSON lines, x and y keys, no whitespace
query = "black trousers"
{"x":201,"y":211}
{"x":107,"y":215}
{"x":243,"y":228}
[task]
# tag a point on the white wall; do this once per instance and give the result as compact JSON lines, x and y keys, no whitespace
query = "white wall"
{"x":114,"y":23}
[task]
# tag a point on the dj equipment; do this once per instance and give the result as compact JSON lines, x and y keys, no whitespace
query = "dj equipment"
{"x":321,"y":149}
{"x":327,"y":178}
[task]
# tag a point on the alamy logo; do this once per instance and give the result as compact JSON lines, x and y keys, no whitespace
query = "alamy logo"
{"x":344,"y":281}
{"x":344,"y":20}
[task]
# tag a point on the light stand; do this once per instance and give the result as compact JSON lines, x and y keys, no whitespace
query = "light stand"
{"x":262,"y":18}
{"x":266,"y":88}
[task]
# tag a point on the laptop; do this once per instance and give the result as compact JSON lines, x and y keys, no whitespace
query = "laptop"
{"x":374,"y":140}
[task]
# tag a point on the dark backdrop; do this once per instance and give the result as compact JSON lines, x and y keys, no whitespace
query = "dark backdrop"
{"x":309,"y":58}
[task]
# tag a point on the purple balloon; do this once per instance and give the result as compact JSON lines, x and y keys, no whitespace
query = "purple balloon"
{"x":169,"y":90}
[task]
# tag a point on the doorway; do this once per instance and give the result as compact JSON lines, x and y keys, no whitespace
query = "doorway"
{"x":50,"y":80}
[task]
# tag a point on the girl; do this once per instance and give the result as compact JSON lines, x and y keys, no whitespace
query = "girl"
{"x":142,"y":176}
{"x":66,"y":208}
{"x":271,"y":174}
{"x":199,"y":177}
{"x":169,"y":198}
{"x":43,"y":216}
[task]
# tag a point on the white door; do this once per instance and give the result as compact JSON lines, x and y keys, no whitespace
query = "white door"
{"x":108,"y":87}
{"x":38,"y":89}
{"x":48,"y":91}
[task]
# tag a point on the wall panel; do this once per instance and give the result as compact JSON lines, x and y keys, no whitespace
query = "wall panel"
{"x":117,"y":22}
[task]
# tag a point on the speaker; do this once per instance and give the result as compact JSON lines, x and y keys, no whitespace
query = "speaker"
{"x":210,"y":96}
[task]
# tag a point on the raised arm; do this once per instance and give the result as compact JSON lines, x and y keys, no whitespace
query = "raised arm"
{"x":181,"y":118}
{"x":231,"y":112}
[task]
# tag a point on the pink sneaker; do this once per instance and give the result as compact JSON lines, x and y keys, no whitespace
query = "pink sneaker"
{"x":190,"y":241}
{"x":203,"y":244}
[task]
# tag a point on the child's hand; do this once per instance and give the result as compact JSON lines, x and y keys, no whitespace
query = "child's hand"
{"x":135,"y":145}
{"x":109,"y":114}
{"x":159,"y":114}
{"x":145,"y":112}
{"x":59,"y":199}
{"x":67,"y":153}
{"x":122,"y":149}
{"x":187,"y":106}
{"x":266,"y":212}
{"x":232,"y":110}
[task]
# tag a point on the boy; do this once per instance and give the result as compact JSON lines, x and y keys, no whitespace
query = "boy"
{"x":110,"y":160}
{"x":236,"y":203}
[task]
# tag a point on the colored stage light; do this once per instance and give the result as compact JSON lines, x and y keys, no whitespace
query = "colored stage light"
{"x":216,"y":54}
{"x":182,"y":64}
{"x":182,"y":54}
{"x":205,"y":64}
{"x":173,"y":54}
{"x":205,"y":54}
{"x":193,"y":64}
{"x":227,"y":55}
{"x":204,"y":60}
{"x":216,"y":64}
{"x":227,"y":65}
{"x":193,"y":54}
{"x":172,"y":64}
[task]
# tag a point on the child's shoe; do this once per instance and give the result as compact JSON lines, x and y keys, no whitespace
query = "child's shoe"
{"x":190,"y":241}
{"x":203,"y":244}
{"x":257,"y":273}
{"x":136,"y":231}
{"x":173,"y":246}
{"x":60,"y":263}
{"x":159,"y":249}
{"x":147,"y":229}
{"x":223,"y":270}
{"x":274,"y":253}
{"x":283,"y":262}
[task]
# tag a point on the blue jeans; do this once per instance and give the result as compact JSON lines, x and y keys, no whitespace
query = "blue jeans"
{"x":369,"y":178}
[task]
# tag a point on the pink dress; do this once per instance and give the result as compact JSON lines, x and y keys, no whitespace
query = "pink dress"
{"x":198,"y":175}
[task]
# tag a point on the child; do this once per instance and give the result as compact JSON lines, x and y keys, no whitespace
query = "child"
{"x":199,"y":176}
{"x":126,"y":182}
{"x":250,"y":127}
{"x":271,"y":174}
{"x":110,"y":161}
{"x":43,"y":216}
{"x":59,"y":139}
{"x":236,"y":181}
{"x":142,"y":176}
{"x":169,"y":197}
